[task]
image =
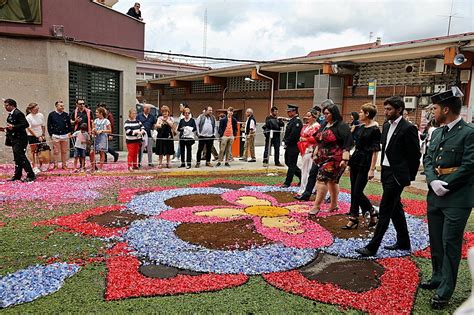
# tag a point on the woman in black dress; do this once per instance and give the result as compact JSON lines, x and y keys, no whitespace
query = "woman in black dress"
{"x":164,"y":140}
{"x":362,"y":166}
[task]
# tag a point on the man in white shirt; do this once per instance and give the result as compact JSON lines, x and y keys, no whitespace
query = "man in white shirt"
{"x":249,"y":146}
{"x":400,"y":162}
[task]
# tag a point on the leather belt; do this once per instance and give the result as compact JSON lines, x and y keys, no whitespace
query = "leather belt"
{"x":445,"y":171}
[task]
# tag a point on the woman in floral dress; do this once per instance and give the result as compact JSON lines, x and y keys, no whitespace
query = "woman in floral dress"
{"x":333,"y":143}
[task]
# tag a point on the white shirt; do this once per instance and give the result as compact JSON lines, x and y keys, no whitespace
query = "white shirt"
{"x":36,"y":121}
{"x":454,"y":122}
{"x":391,"y":130}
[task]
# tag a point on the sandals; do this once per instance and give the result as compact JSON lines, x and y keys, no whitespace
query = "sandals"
{"x":352,"y":224}
{"x":336,"y":208}
{"x":313,"y":212}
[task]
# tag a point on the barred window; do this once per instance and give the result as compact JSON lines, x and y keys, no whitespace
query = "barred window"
{"x":239,"y":84}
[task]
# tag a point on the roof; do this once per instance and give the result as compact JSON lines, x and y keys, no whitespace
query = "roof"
{"x":363,"y":53}
{"x":170,"y":62}
{"x":376,"y":45}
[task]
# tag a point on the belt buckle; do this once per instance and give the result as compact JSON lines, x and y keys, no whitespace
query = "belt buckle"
{"x":437,"y":169}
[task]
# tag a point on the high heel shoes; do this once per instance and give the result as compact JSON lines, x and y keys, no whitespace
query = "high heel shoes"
{"x":352,"y":224}
{"x":373,"y":218}
{"x":313,"y":212}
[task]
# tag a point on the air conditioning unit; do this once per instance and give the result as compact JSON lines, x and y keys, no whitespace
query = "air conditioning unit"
{"x":410,"y":102}
{"x":58,"y":31}
{"x":432,"y":66}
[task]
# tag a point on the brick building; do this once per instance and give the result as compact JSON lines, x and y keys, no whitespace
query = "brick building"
{"x":413,"y":69}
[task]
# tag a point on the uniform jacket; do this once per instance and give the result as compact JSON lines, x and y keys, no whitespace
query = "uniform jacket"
{"x":455,"y":150}
{"x":292,"y":132}
{"x":403,"y":151}
{"x":18,"y":133}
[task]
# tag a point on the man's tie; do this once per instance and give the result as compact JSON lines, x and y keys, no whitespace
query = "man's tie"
{"x":445,"y":131}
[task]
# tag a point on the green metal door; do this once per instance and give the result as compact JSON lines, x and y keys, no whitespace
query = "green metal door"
{"x":96,"y":85}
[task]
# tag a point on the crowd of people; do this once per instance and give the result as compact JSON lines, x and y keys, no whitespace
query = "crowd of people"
{"x":327,"y":146}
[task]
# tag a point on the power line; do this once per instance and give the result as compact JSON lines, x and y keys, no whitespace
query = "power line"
{"x":193,"y":56}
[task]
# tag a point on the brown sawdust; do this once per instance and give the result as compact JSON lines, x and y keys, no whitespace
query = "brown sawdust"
{"x":335,"y":223}
{"x":234,"y":235}
{"x":115,"y":219}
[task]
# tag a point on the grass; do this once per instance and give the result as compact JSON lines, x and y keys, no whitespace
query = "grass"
{"x":22,"y":245}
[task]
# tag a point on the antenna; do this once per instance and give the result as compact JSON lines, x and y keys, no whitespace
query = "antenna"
{"x":204,"y":37}
{"x":451,"y":16}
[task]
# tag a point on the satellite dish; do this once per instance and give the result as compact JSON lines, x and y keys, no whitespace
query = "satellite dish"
{"x":459,"y":59}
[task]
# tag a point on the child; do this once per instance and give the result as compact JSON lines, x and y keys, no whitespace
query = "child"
{"x":101,"y":128}
{"x":80,"y":145}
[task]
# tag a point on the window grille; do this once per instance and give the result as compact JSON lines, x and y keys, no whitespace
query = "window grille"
{"x":200,"y":87}
{"x":394,"y":73}
{"x":239,"y":84}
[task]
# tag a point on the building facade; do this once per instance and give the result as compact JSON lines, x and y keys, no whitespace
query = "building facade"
{"x":59,"y":60}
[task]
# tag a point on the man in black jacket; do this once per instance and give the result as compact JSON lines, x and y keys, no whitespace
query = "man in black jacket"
{"x":272,"y":130}
{"x":16,"y":138}
{"x":400,"y":162}
{"x":291,"y":138}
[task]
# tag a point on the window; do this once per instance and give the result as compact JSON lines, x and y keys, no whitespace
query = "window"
{"x":306,"y":79}
{"x":297,"y":80}
{"x":291,"y":80}
{"x":282,"y":81}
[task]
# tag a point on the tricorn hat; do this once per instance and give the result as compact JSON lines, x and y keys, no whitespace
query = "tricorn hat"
{"x":444,"y":96}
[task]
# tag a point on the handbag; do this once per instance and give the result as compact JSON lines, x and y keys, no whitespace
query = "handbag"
{"x":154,"y":134}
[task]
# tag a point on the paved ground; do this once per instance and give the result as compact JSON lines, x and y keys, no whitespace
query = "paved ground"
{"x":241,"y":166}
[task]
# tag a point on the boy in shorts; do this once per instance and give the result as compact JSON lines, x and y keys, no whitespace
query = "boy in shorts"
{"x":80,"y":145}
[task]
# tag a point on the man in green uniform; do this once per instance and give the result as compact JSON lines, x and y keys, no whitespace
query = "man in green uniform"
{"x":449,"y":169}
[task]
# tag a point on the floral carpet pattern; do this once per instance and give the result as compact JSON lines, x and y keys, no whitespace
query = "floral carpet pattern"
{"x":216,"y":235}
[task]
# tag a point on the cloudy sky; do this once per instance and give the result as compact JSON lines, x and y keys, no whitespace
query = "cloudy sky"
{"x":273,"y":29}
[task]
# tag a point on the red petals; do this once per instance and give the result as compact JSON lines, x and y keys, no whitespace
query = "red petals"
{"x":468,"y":243}
{"x":394,"y":295}
{"x":77,"y":222}
{"x":124,"y":280}
{"x":410,"y":206}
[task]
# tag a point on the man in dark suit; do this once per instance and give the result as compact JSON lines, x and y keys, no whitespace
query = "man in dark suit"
{"x":291,"y":138}
{"x":17,"y":139}
{"x":400,"y":161}
{"x":449,"y":169}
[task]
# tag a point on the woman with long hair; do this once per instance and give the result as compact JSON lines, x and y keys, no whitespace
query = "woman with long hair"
{"x":362,"y":166}
{"x":101,"y":129}
{"x":35,"y":132}
{"x":333,"y":141}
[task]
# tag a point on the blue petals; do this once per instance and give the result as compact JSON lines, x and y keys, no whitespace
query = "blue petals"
{"x":33,"y":282}
{"x":153,"y":203}
{"x":419,"y":239}
{"x":156,"y":240}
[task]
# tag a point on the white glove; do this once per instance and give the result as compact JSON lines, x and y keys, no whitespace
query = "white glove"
{"x":437,"y":186}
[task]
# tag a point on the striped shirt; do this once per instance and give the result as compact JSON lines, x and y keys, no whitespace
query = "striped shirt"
{"x":130,"y":126}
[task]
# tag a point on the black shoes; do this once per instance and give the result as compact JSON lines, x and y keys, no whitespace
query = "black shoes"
{"x":285,"y":186}
{"x":428,"y":285}
{"x":365,"y":252}
{"x":227,"y":164}
{"x":279,"y":164}
{"x":13,"y":179}
{"x":302,"y":197}
{"x":29,"y":179}
{"x":116,"y":157}
{"x":352,"y":224}
{"x":397,"y":247}
{"x":438,"y":303}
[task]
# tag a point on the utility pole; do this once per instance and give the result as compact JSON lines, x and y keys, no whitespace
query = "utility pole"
{"x":204,"y":37}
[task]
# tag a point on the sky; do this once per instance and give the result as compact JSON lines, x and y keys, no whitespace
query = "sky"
{"x":269,"y":30}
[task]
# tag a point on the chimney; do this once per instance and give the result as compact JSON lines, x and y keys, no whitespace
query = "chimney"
{"x":378,"y":41}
